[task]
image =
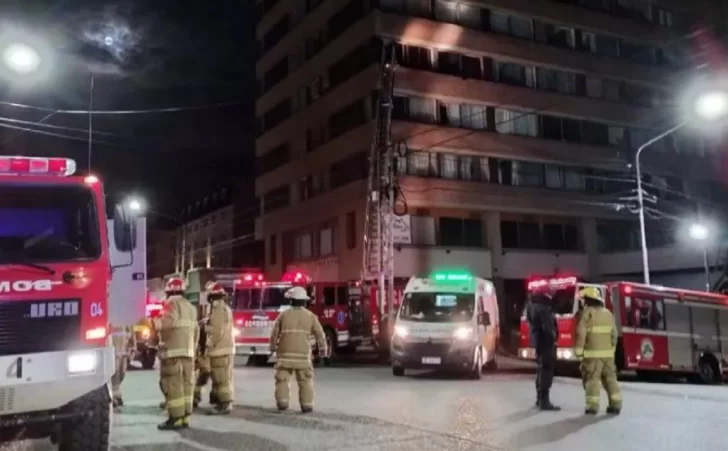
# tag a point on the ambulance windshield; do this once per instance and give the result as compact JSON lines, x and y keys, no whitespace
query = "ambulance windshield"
{"x":260,"y":298}
{"x":437,"y":307}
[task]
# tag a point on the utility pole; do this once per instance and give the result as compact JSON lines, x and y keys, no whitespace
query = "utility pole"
{"x":378,"y":255}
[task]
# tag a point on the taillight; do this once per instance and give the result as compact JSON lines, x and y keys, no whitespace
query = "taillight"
{"x":96,"y":333}
{"x":34,"y":165}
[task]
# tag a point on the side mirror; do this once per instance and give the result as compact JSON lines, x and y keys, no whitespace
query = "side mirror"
{"x":124,"y":229}
{"x":484,"y":319}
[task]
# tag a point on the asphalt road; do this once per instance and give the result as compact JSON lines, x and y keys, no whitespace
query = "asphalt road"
{"x":366,"y":408}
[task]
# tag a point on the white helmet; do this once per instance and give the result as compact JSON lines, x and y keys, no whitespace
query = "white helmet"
{"x":297,"y":293}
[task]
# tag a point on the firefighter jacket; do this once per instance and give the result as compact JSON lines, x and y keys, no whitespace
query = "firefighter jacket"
{"x":290,"y":339}
{"x":596,"y":334}
{"x":122,"y":338}
{"x":178,"y":329}
{"x":220,"y":340}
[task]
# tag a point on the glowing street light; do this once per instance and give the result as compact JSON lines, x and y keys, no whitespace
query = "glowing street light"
{"x":135,"y":205}
{"x":21,"y":58}
{"x":708,"y":106}
{"x":699,"y":232}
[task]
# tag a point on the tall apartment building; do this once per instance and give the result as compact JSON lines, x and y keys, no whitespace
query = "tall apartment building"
{"x":515,"y":121}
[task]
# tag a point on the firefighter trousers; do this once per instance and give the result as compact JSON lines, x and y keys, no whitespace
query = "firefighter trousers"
{"x":546,"y":361}
{"x":222,"y":374}
{"x":202,"y":368}
{"x":177,"y":384}
{"x":304,"y":377}
{"x":118,"y":377}
{"x":596,"y":373}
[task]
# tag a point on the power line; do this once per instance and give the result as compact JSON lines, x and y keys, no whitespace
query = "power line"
{"x":124,"y":112}
{"x":57,"y":135}
{"x":57,"y":127}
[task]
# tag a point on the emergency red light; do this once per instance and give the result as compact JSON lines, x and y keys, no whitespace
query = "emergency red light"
{"x":249,"y":278}
{"x":37,"y":166}
{"x":553,"y":282}
{"x":294,"y":277}
{"x":627,"y":289}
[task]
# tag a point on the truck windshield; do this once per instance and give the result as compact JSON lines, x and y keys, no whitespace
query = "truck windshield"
{"x":562,"y":302}
{"x":437,"y":307}
{"x":48,"y":224}
{"x":260,"y":298}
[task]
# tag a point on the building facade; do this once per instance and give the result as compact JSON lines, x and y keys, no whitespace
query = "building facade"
{"x":515,"y":124}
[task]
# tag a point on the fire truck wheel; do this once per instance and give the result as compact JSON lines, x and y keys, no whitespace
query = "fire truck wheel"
{"x":92,"y":432}
{"x":330,"y":344}
{"x":708,"y":367}
{"x":398,"y":371}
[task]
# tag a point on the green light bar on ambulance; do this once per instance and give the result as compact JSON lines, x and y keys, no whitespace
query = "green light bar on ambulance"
{"x":452,"y":277}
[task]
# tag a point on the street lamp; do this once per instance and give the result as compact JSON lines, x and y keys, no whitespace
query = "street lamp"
{"x":138,"y":206}
{"x":709,"y":106}
{"x":21,"y":58}
{"x":701,"y":233}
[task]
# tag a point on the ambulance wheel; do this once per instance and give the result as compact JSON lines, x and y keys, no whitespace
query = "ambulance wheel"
{"x":398,"y":371}
{"x":91,"y":432}
{"x":477,"y":370}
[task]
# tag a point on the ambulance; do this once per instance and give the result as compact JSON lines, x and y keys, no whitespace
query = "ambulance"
{"x":447,"y":321}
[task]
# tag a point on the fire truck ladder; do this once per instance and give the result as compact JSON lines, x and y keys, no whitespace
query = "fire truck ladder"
{"x":378,"y":255}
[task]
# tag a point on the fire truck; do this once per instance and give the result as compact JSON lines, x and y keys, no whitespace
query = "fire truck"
{"x":661,"y":330}
{"x":54,"y":289}
{"x":344,"y":309}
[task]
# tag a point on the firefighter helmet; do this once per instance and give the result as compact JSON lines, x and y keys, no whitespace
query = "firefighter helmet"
{"x":175,"y":285}
{"x":591,"y":293}
{"x":297,"y":293}
{"x":215,"y":288}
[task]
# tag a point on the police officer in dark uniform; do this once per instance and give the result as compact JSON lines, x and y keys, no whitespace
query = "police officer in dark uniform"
{"x":543,"y":333}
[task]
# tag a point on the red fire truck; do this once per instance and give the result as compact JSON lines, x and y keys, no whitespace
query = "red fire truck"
{"x":346,"y":314}
{"x":54,"y":288}
{"x":661,"y":330}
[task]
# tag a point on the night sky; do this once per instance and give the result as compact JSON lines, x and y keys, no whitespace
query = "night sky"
{"x":142,"y":55}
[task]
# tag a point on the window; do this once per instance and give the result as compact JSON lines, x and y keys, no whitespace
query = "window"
{"x":511,"y":25}
{"x":273,"y":256}
{"x":556,"y":80}
{"x":277,"y":114}
{"x":303,"y":247}
{"x":557,"y":36}
{"x":516,"y":122}
{"x":514,"y":74}
{"x":329,"y":295}
{"x":473,"y":116}
{"x":351,"y":237}
{"x":414,"y":108}
{"x":561,"y":237}
{"x":636,"y":52}
{"x":347,"y":118}
{"x":276,"y":74}
{"x":594,"y":87}
{"x":422,"y":164}
{"x":277,"y":199}
{"x":413,"y":57}
{"x":461,"y":232}
{"x":460,"y":65}
{"x":274,"y":158}
{"x":607,"y":46}
{"x":527,"y":173}
{"x":645,"y":313}
{"x":276,"y":33}
{"x":326,"y":241}
{"x":315,"y":137}
{"x":348,"y":170}
{"x":458,"y":13}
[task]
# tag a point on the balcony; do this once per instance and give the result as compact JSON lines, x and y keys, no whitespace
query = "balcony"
{"x":410,"y":260}
{"x":521,"y":264}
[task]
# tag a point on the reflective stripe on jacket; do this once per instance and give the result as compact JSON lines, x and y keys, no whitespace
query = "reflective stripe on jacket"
{"x":290,"y":339}
{"x":220,"y":341}
{"x":178,"y":329}
{"x":596,"y":334}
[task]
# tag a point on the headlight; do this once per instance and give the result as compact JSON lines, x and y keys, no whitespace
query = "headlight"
{"x":463,"y":333}
{"x":236,"y":331}
{"x":145,"y":333}
{"x":82,"y":362}
{"x":400,"y":331}
{"x":566,"y":354}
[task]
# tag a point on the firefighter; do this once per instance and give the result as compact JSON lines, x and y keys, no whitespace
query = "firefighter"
{"x":178,"y":335}
{"x":220,"y":348}
{"x":202,"y":360}
{"x":596,"y":341}
{"x":543,"y":334}
{"x":290,"y":340}
{"x":124,"y":344}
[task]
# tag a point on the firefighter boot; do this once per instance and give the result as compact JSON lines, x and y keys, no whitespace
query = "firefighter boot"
{"x":221,"y":409}
{"x":186,"y":422}
{"x":172,"y":424}
{"x":282,"y":407}
{"x":613,"y":411}
{"x":545,"y":403}
{"x":213,"y":399}
{"x":590,"y":411}
{"x":306,"y":409}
